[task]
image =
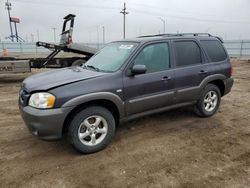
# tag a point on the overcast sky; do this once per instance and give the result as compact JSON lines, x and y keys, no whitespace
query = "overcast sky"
{"x":229,"y":19}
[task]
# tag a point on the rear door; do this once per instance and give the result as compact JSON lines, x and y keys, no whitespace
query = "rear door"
{"x":190,"y":69}
{"x":154,"y":89}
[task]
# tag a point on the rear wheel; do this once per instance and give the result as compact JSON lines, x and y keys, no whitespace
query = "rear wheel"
{"x":91,"y":129}
{"x":209,"y":101}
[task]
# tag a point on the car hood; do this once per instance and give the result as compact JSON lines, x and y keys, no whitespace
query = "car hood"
{"x":55,"y":78}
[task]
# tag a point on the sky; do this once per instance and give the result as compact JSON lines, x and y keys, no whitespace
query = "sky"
{"x":229,"y":19}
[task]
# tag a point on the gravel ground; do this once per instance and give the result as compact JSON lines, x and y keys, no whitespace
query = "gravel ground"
{"x":171,"y":149}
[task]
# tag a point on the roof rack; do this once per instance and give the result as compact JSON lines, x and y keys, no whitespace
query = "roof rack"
{"x":181,"y":35}
{"x":177,"y":35}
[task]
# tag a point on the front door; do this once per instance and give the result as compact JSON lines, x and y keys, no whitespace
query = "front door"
{"x":154,"y":89}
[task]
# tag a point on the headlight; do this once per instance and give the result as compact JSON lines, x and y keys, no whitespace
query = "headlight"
{"x":42,"y":100}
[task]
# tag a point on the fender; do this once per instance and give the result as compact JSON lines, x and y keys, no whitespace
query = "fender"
{"x":97,"y":96}
{"x":210,"y":78}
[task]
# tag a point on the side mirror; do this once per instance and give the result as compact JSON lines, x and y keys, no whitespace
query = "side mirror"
{"x":138,"y":69}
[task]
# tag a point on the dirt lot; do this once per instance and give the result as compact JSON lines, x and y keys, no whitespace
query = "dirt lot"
{"x":171,"y":149}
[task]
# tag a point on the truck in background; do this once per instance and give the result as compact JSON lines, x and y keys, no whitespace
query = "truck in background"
{"x":82,"y":53}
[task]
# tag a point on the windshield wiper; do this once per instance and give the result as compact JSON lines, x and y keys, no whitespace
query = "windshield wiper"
{"x":92,"y":67}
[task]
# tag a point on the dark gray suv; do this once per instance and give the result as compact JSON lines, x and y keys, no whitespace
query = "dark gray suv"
{"x":125,"y":80}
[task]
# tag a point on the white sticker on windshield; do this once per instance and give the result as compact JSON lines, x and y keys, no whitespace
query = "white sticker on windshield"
{"x":126,"y":47}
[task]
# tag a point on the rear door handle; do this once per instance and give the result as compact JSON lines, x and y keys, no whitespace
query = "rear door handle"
{"x":203,"y":72}
{"x":166,"y":78}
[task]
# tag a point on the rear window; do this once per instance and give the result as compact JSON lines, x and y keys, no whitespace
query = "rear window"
{"x":187,"y":53}
{"x":214,"y":50}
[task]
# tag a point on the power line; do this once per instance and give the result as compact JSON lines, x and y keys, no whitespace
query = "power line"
{"x":124,"y":19}
{"x":137,"y":11}
{"x":105,"y":7}
{"x":67,"y":4}
{"x":189,"y":17}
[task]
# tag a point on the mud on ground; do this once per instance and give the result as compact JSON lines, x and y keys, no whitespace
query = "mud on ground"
{"x":171,"y":149}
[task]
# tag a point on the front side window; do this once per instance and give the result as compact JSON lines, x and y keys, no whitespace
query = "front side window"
{"x":187,"y":53}
{"x":155,"y":57}
{"x":111,"y":57}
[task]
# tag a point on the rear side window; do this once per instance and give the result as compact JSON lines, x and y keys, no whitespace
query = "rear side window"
{"x":214,"y":50}
{"x":187,"y":53}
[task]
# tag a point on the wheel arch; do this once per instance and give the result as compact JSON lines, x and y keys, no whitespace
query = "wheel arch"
{"x":217,"y":79}
{"x":114,"y":104}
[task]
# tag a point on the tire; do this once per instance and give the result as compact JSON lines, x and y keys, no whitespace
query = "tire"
{"x":78,"y":62}
{"x":87,"y":129}
{"x":209,"y":101}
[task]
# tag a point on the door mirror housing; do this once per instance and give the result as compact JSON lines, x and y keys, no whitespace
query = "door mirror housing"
{"x":138,"y":69}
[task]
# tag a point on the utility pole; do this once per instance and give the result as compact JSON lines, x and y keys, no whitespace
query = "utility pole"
{"x":89,"y":36}
{"x":124,"y":19}
{"x":103,"y":34}
{"x":38,"y":35}
{"x":8,"y":7}
{"x":26,"y":38}
{"x":207,"y":30}
{"x":164,"y":24}
{"x":32,"y":37}
{"x":140,"y":31}
{"x":54,"y":29}
{"x":97,"y":34}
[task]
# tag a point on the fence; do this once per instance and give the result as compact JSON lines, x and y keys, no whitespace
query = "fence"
{"x":238,"y":48}
{"x":235,"y":48}
{"x":14,"y":47}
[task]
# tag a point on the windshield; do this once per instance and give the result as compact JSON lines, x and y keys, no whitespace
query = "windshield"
{"x":111,"y":57}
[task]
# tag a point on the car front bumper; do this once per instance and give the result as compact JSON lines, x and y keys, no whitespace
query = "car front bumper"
{"x":46,"y":124}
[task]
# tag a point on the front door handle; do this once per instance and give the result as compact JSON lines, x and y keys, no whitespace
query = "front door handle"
{"x":166,"y":78}
{"x":203,"y":72}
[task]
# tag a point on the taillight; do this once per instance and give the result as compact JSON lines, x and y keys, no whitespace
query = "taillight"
{"x":231,"y":68}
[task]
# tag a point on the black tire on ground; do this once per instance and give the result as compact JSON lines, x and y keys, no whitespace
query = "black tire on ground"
{"x":78,"y":62}
{"x":75,"y":127}
{"x":200,"y":108}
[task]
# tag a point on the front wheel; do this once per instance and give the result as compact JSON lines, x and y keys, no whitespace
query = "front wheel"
{"x":91,"y":129}
{"x":209,"y":101}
